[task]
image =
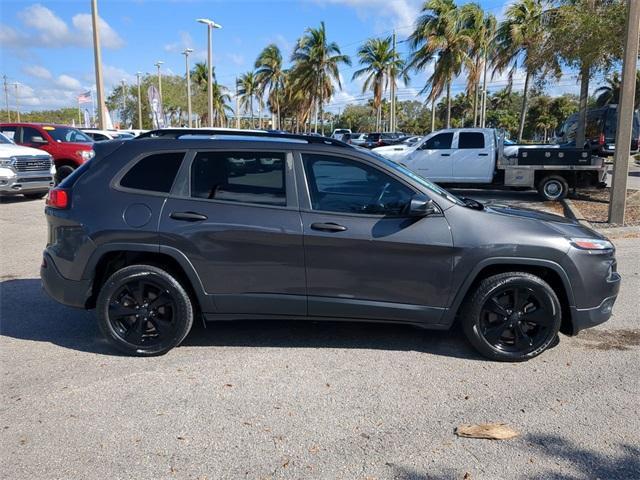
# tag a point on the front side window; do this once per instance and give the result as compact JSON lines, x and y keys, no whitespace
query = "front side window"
{"x":31,"y":135}
{"x":247,"y":177}
{"x":471,"y":140}
{"x":67,"y":134}
{"x":441,"y":141}
{"x":154,"y":173}
{"x":346,"y":186}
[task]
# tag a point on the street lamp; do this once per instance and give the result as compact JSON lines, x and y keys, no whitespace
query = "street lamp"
{"x":210,"y":26}
{"x":139,"y":74}
{"x":102,"y":121}
{"x":186,"y":53}
{"x":157,"y":64}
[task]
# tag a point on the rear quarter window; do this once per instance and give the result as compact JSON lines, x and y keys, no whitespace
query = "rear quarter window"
{"x":154,"y":173}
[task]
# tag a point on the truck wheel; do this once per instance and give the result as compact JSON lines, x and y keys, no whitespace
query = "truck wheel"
{"x":144,"y":311}
{"x":512,"y":317}
{"x":553,"y":188}
{"x":63,"y":172}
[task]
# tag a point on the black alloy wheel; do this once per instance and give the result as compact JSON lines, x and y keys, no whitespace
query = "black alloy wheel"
{"x":512,"y":316}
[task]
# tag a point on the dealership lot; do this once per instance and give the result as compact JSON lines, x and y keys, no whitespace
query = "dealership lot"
{"x":303,"y":400}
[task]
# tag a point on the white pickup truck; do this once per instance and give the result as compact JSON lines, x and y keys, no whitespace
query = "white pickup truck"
{"x":476,"y":156}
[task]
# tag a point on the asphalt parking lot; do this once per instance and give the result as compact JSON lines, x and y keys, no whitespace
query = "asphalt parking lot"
{"x":303,"y":400}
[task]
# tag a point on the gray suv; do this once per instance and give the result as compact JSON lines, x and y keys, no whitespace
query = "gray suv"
{"x":180,"y":224}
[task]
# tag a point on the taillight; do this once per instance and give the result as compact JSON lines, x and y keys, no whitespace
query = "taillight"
{"x":601,"y":139}
{"x":58,"y":198}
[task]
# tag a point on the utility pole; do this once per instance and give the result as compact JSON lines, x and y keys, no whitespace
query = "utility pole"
{"x":210,"y":26}
{"x":392,"y":117}
{"x":433,"y":114}
{"x":6,"y":97}
{"x":98,"y":64}
{"x":186,"y":53}
{"x":158,"y":64}
{"x":618,"y":199}
{"x":237,"y":106}
{"x":124,"y":102}
{"x":139,"y":74}
{"x":483,"y":109}
{"x":17,"y":101}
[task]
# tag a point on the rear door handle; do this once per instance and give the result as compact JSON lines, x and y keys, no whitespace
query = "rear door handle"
{"x":328,"y":227}
{"x":483,"y":154}
{"x":445,"y":154}
{"x":188,"y":216}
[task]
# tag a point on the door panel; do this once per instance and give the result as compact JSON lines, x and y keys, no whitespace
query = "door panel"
{"x":249,"y":258}
{"x":434,"y":158}
{"x":473,"y":160}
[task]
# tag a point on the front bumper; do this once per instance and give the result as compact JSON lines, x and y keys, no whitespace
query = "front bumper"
{"x":22,"y":182}
{"x":68,"y":292}
{"x":582,"y":318}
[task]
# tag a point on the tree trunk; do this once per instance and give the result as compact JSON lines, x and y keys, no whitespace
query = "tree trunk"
{"x":523,"y":110}
{"x":476,"y":87}
{"x":582,"y":112}
{"x":322,"y":112}
{"x":449,"y":104}
{"x":433,"y":114}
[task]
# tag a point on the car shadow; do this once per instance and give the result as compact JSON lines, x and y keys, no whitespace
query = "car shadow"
{"x":18,"y":199}
{"x":27,"y":313}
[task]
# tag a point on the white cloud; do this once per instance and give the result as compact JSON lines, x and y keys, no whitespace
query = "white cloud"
{"x":65,"y":82}
{"x":44,"y":29}
{"x":112,"y":76}
{"x":37,"y":71}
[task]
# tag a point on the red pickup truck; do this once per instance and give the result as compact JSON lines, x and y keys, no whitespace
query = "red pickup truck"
{"x":68,"y":146}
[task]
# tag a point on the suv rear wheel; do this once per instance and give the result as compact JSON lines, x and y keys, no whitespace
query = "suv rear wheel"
{"x":512,"y":317}
{"x":143,"y":310}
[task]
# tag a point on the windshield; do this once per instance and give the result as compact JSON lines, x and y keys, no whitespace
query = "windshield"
{"x":4,"y":139}
{"x":398,"y":167}
{"x":67,"y":134}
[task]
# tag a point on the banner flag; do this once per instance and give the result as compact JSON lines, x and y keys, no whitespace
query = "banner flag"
{"x":155,"y":104}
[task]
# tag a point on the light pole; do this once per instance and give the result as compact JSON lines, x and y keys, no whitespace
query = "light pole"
{"x":17,"y":101}
{"x":98,"y":63}
{"x":210,"y":26}
{"x":158,"y":64}
{"x":6,"y":97}
{"x":139,"y":74}
{"x":124,"y":101}
{"x":186,"y":53}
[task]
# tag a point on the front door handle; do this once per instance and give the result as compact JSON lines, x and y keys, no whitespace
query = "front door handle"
{"x":445,"y":154}
{"x":188,"y":216}
{"x":483,"y":154}
{"x":328,"y":227}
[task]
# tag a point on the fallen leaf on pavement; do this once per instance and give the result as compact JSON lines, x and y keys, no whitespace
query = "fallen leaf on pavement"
{"x":491,"y":431}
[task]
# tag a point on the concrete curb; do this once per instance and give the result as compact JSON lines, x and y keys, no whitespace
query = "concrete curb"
{"x":573,"y":212}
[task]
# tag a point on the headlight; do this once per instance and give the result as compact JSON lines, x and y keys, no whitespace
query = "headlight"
{"x":591,"y":244}
{"x":7,"y":162}
{"x":86,"y":154}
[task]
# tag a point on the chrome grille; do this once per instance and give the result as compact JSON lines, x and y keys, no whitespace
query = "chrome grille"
{"x":32,"y":164}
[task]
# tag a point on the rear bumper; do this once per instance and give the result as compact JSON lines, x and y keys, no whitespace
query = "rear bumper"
{"x":68,"y":292}
{"x":582,"y":318}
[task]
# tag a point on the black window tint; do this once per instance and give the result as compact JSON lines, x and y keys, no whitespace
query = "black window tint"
{"x":471,"y":140}
{"x":154,"y":173}
{"x":250,"y":177}
{"x":10,"y":133}
{"x":442,"y":141}
{"x":341,"y":185}
{"x":28,"y":133}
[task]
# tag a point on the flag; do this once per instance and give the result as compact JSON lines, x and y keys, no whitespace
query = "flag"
{"x":156,"y":107}
{"x":87,"y":118}
{"x":85,"y":97}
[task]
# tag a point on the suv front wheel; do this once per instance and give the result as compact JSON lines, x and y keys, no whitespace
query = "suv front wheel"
{"x":512,"y":317}
{"x":143,"y":310}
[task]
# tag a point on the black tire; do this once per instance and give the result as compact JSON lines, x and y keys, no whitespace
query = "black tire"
{"x":553,"y":188}
{"x":63,"y":172}
{"x":140,"y":328}
{"x":35,"y":196}
{"x":524,"y":322}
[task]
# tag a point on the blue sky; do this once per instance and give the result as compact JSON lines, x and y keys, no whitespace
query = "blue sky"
{"x":46,"y":46}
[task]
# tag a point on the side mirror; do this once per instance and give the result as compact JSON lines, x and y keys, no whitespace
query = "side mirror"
{"x":421,"y":206}
{"x":38,"y":139}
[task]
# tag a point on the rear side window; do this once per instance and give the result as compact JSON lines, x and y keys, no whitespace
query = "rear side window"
{"x":442,"y":141}
{"x":154,"y":173}
{"x":471,"y":140}
{"x":247,"y":177}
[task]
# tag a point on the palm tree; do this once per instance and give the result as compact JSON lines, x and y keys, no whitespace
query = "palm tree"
{"x":439,"y":35}
{"x":316,"y":64}
{"x":609,"y":93}
{"x":270,"y":76}
{"x":247,"y":90}
{"x":520,"y":43}
{"x":380,"y":64}
{"x":221,"y":97}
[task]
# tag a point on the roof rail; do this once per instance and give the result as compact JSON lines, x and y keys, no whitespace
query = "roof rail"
{"x":176,"y":133}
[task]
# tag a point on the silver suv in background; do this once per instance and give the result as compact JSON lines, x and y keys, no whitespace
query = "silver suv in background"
{"x":24,"y":170}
